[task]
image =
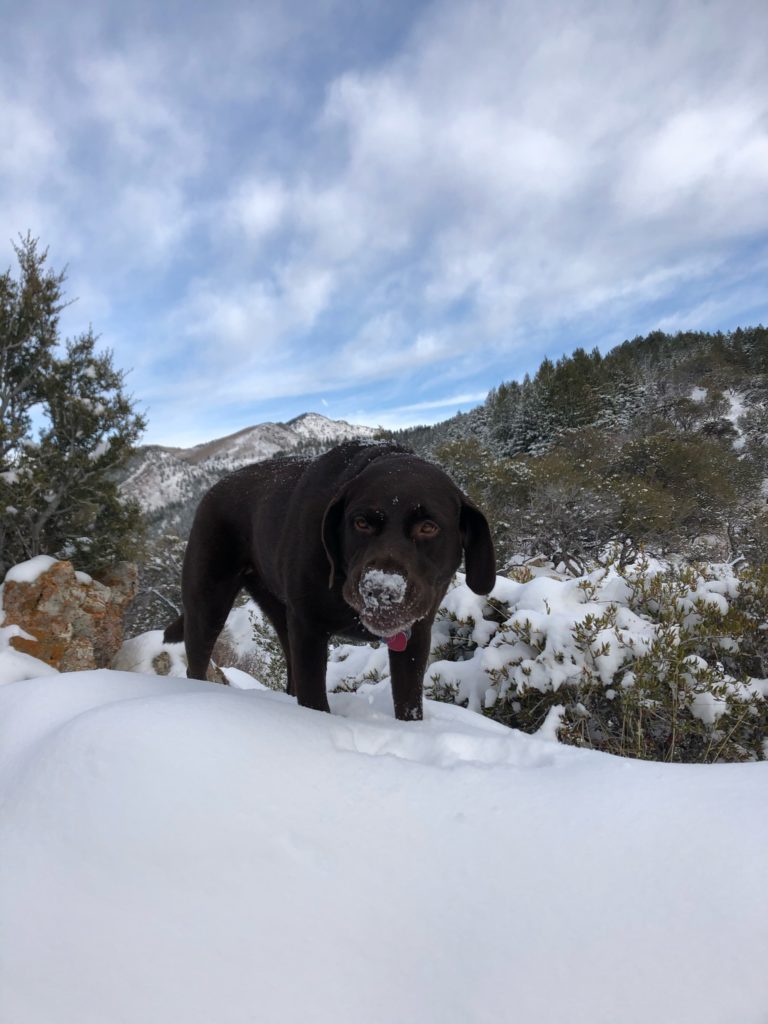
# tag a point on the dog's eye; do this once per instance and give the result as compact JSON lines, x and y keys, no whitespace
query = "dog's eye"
{"x":362,"y":525}
{"x":425,"y":528}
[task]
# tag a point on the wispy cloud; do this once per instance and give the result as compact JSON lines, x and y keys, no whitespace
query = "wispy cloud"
{"x":452,"y":402}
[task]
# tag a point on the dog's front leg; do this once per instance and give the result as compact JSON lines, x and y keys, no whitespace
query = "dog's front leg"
{"x":407,"y":671}
{"x":308,"y":657}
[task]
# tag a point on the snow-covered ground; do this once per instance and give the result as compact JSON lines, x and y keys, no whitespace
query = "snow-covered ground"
{"x":177,"y":851}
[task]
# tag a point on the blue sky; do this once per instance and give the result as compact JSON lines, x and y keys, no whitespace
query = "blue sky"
{"x":378,"y":211}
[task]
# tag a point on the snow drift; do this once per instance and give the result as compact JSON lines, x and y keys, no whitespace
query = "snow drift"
{"x":178,"y":851}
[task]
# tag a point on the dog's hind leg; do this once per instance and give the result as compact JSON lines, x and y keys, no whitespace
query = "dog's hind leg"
{"x":204,"y":616}
{"x":174,"y":634}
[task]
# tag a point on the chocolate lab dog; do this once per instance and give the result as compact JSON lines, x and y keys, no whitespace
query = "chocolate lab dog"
{"x":361,"y":542}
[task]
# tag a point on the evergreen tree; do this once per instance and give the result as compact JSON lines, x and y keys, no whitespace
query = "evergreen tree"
{"x":502,"y":405}
{"x":67,"y":426}
{"x":29,"y":325}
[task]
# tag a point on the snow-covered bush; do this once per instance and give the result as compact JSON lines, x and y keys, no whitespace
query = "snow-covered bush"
{"x":652,"y":661}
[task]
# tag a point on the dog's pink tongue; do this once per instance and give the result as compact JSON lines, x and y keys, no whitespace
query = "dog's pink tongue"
{"x":398,"y":642}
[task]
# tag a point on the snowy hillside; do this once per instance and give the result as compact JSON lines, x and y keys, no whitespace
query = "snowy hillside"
{"x":174,"y":850}
{"x":160,"y":477}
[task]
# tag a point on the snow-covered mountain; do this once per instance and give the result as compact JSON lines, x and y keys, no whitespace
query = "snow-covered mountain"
{"x":168,"y":482}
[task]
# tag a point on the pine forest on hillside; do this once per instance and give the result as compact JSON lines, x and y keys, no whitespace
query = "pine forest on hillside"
{"x":659,"y":444}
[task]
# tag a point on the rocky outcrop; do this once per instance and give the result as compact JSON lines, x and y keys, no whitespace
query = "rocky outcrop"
{"x":73,"y":622}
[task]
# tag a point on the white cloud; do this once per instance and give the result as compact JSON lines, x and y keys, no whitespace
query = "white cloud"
{"x":306,"y":290}
{"x":416,"y":414}
{"x":706,"y":162}
{"x":28,"y":142}
{"x":229,"y":324}
{"x":505,"y":165}
{"x":452,"y":402}
{"x":257,"y":208}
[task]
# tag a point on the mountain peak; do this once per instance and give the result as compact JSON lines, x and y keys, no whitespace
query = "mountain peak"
{"x":315,"y":426}
{"x":161,"y":477}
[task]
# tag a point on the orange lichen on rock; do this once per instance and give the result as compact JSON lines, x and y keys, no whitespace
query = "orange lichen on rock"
{"x":76,"y":621}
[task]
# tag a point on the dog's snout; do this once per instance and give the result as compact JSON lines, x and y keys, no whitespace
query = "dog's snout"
{"x":380,"y":588}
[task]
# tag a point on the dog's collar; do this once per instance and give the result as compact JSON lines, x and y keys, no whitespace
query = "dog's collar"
{"x":399,"y":641}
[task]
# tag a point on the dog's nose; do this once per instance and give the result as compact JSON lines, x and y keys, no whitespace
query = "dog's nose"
{"x":380,"y":589}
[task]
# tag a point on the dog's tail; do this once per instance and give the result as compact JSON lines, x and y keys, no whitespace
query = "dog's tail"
{"x":174,"y":634}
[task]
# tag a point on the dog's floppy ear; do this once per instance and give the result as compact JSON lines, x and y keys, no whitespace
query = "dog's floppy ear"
{"x":479,"y":558}
{"x":331,"y":533}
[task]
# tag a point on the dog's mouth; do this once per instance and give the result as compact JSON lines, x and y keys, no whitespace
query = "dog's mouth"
{"x":384,"y":604}
{"x":395,"y":641}
{"x":385,"y":630}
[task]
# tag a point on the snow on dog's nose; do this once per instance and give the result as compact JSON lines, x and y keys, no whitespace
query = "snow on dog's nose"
{"x":381,"y":591}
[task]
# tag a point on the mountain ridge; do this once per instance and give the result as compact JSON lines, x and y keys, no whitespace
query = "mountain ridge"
{"x":167,"y":481}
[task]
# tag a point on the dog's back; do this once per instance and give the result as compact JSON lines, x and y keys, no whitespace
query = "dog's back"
{"x":239,"y":519}
{"x":252,"y":524}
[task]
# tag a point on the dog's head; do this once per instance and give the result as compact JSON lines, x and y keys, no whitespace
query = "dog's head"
{"x":395,"y":535}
